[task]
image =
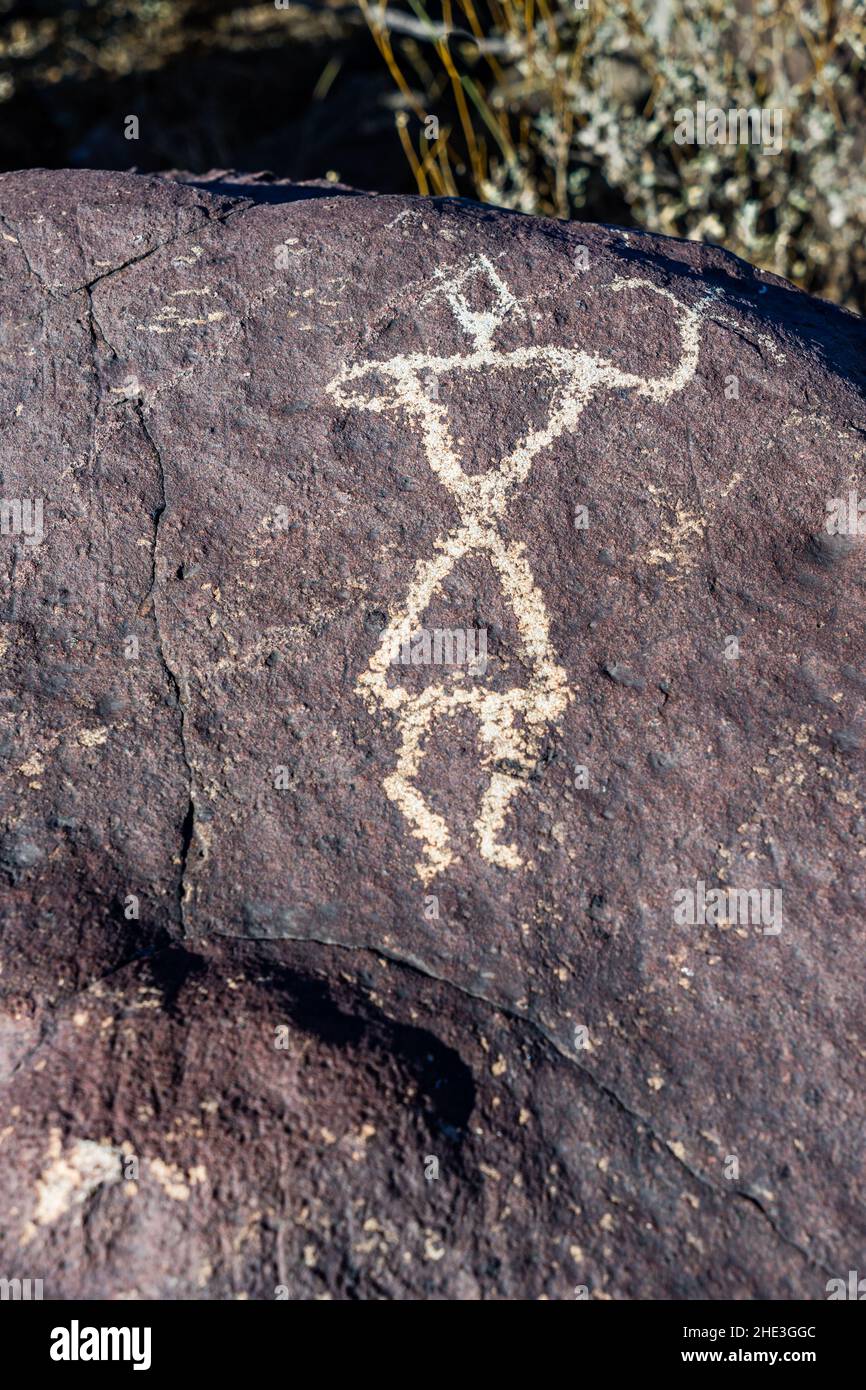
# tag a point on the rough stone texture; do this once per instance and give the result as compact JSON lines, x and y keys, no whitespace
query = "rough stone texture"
{"x":170,"y":382}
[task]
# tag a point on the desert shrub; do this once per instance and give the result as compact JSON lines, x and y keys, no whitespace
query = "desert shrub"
{"x":556,"y":109}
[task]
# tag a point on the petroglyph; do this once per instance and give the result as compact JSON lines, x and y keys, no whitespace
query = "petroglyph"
{"x":511,"y":723}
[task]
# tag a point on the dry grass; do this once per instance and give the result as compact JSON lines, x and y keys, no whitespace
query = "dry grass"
{"x":549,"y":108}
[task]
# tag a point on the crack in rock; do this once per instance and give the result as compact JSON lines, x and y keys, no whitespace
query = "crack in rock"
{"x":665,"y":1145}
{"x":179,"y":687}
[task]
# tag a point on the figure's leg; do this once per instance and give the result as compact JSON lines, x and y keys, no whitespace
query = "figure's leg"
{"x":428,"y":576}
{"x":414,"y":723}
{"x":509,"y":758}
{"x":502,"y":788}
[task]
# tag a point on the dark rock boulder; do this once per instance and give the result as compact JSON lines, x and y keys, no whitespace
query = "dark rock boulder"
{"x":433,"y":852}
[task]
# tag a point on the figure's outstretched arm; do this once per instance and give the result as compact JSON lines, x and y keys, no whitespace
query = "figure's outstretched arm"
{"x":660,"y":388}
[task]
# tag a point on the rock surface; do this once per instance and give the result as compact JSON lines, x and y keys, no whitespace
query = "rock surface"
{"x":284,"y":927}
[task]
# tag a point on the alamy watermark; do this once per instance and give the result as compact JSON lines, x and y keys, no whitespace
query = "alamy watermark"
{"x":441,"y":646}
{"x":22,"y":516}
{"x":710,"y":125}
{"x":846,"y":516}
{"x":736,"y":907}
{"x":77,"y":1343}
{"x":20,"y":1290}
{"x":854,"y":1288}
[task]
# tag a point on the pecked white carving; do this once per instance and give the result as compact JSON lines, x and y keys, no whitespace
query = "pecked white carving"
{"x":511,"y":723}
